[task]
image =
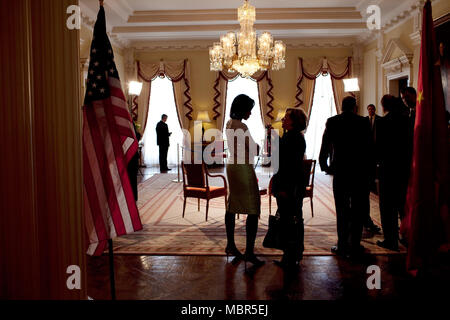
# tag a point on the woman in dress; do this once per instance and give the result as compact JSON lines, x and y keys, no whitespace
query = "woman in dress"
{"x":244,"y":195}
{"x":288,"y":186}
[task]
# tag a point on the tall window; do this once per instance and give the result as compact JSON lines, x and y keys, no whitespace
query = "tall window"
{"x":162,"y":101}
{"x":254,"y":123}
{"x":323,"y":107}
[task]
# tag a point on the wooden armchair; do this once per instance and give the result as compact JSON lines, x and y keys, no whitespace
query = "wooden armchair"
{"x":310,"y":169}
{"x":219,"y":151}
{"x":196,"y":185}
{"x":310,"y":166}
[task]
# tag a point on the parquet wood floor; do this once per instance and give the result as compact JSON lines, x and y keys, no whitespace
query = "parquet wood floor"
{"x":212,"y":278}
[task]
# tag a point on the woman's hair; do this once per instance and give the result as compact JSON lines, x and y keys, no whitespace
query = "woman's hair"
{"x":388,"y":102}
{"x":298,"y":118}
{"x":240,"y":106}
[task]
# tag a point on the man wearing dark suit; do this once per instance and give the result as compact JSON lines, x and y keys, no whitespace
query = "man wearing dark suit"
{"x":393,"y":157}
{"x":345,"y":141}
{"x":372,"y":118}
{"x":162,"y":137}
{"x":409,"y":98}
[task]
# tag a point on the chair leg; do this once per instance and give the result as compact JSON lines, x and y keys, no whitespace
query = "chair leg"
{"x":312,"y":209}
{"x":270,"y":204}
{"x":198,"y":204}
{"x":226,"y":202}
{"x":184,"y":206}
{"x":207,"y":207}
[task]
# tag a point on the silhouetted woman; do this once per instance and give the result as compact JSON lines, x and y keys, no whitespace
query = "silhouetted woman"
{"x":244,"y":195}
{"x":288,"y":186}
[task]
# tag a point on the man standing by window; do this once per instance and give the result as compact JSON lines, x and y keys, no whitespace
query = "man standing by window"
{"x":162,"y":137}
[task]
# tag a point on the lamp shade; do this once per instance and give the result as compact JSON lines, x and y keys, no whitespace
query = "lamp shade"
{"x":351,"y":85}
{"x":203,"y":116}
{"x":280,"y":115}
{"x":135,"y":88}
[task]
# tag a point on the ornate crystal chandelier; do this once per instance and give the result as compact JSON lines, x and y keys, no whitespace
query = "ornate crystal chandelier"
{"x":223,"y":55}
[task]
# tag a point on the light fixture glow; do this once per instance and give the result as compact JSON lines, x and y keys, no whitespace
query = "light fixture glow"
{"x":252,"y":54}
{"x":203,"y":116}
{"x":134,"y":88}
{"x":351,"y":85}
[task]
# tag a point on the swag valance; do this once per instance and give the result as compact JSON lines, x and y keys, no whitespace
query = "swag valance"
{"x":265,"y":86}
{"x":179,"y":73}
{"x":307,"y":71}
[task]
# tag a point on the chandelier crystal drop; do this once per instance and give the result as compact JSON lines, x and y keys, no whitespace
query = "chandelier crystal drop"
{"x":251,"y":54}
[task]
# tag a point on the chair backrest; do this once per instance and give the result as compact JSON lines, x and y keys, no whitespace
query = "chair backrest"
{"x":194,"y":175}
{"x":309,"y":166}
{"x":219,"y":148}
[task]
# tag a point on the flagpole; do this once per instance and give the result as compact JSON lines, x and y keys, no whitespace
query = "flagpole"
{"x":112,"y":280}
{"x":111,"y":270}
{"x":178,"y":165}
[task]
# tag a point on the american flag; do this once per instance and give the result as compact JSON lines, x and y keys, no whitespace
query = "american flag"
{"x":109,"y":143}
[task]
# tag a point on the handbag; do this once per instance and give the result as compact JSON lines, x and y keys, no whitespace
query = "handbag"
{"x":274,"y":236}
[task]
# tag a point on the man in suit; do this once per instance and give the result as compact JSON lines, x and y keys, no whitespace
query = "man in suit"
{"x":393,"y":157}
{"x":409,"y":97}
{"x":372,"y":118}
{"x":346,"y":142}
{"x":162,"y":137}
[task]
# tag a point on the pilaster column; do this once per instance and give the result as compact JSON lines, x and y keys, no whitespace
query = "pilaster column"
{"x":42,"y":225}
{"x":416,"y":36}
{"x":84,"y":67}
{"x":130,"y":67}
{"x":357,"y":73}
{"x":380,"y":74}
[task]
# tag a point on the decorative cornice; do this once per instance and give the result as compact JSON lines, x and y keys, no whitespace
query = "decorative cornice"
{"x":235,"y":25}
{"x":390,"y":48}
{"x":344,"y":42}
{"x":121,"y":8}
{"x":157,"y":16}
{"x":407,"y":9}
{"x":88,"y":18}
{"x":398,"y":64}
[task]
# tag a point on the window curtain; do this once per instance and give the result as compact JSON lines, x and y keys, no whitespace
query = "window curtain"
{"x":265,"y":86}
{"x":307,"y":71}
{"x":179,"y":73}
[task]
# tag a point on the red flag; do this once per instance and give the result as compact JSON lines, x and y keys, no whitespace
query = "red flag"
{"x":426,"y":225}
{"x":109,"y":143}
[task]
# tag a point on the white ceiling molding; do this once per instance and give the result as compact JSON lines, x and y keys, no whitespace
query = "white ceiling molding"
{"x":364,"y":4}
{"x":121,"y":8}
{"x":89,"y":23}
{"x":343,"y":42}
{"x":394,"y":17}
{"x":166,"y":24}
{"x":167,"y":16}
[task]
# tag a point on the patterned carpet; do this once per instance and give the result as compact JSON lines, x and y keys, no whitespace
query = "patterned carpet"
{"x":167,"y":233}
